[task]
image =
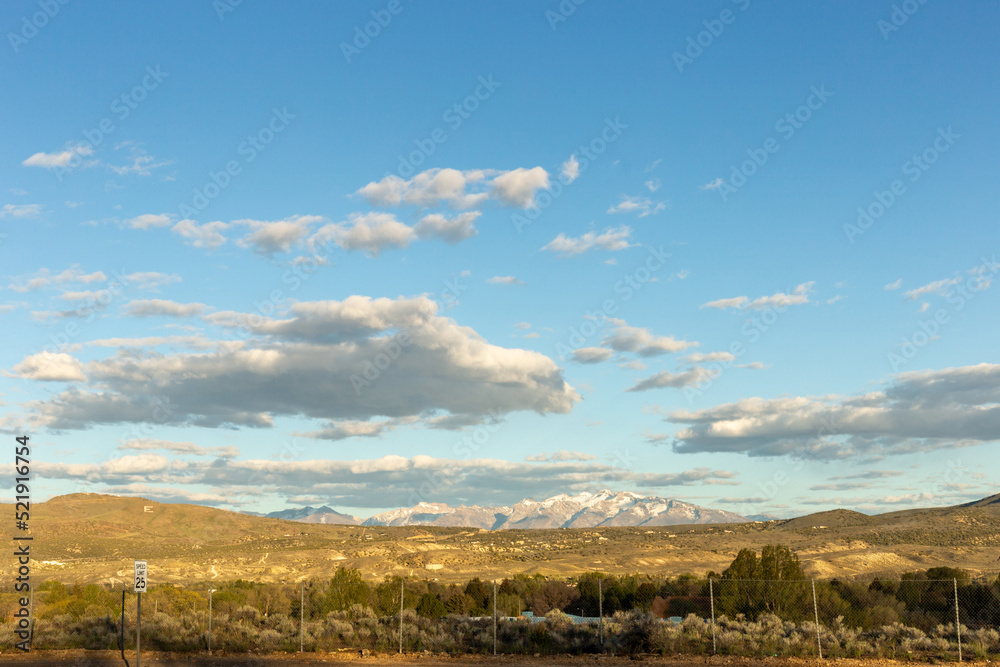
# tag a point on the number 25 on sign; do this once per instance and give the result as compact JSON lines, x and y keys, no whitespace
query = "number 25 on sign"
{"x":140,"y":576}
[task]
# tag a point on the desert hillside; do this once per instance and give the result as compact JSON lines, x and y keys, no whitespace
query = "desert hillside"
{"x":94,"y":538}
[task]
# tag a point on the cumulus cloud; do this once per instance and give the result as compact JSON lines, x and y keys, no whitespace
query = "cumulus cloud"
{"x":458,"y":189}
{"x":149,"y":220}
{"x":799,"y":296}
{"x":49,"y":367}
{"x":643,"y":206}
{"x":208,"y":235}
{"x":270,"y":237}
{"x":451,"y":230}
{"x":162,"y":308}
{"x":610,"y":239}
{"x":570,"y":170}
{"x":518,"y":187}
{"x":312,"y":363}
{"x":626,"y":338}
{"x":371,"y":232}
{"x":917,"y":411}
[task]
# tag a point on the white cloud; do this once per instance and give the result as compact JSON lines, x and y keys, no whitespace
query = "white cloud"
{"x":652,"y":184}
{"x":504,"y":280}
{"x":702,"y":357}
{"x":45,"y":278}
{"x":162,"y":308}
{"x":799,"y":296}
{"x":371,"y":232}
{"x":49,"y":367}
{"x":311,"y":364}
{"x":689,"y":378}
{"x":208,"y":235}
{"x":570,"y":169}
{"x":939,"y":287}
{"x":560,"y":456}
{"x":268,"y":238}
{"x":151,"y":280}
{"x":518,"y":187}
{"x":610,"y":239}
{"x":641,"y":205}
{"x":917,"y":411}
{"x":142,"y":444}
{"x":20,"y":210}
{"x":893,"y":285}
{"x":451,"y":230}
{"x":149,"y":220}
{"x":61,"y":159}
{"x":625,"y":338}
{"x":592,"y":355}
{"x":713,"y":184}
{"x":459,"y":189}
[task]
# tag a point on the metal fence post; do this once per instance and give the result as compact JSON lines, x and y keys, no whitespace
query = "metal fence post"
{"x":711,"y":598}
{"x":121,"y":630}
{"x":958,"y":626}
{"x":819,"y":644}
{"x":494,"y":617}
{"x":138,"y":626}
{"x":402,"y":594}
{"x":600,"y":607}
{"x":302,"y":614}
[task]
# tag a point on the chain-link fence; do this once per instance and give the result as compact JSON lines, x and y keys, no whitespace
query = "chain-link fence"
{"x":879,"y":617}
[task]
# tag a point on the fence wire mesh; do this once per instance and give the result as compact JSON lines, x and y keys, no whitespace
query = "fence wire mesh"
{"x":878,"y":617}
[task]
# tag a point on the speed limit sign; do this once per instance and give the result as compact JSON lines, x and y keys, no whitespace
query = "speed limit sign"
{"x":140,"y":576}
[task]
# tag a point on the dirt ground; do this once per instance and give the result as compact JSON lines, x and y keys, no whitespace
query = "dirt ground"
{"x":82,"y":658}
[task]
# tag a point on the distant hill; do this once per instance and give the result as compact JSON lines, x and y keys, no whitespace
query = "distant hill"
{"x":314,"y":515}
{"x":584,"y":510}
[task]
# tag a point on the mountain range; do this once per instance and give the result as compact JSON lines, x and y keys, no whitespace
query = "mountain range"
{"x":583,"y":510}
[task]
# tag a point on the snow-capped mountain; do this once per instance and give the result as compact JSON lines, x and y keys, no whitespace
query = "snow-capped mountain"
{"x":584,"y":510}
{"x":314,"y":515}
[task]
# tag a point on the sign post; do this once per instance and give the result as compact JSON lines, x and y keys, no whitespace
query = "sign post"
{"x":140,"y":588}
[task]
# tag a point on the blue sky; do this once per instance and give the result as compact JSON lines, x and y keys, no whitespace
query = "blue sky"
{"x":735,"y":254}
